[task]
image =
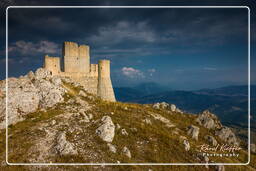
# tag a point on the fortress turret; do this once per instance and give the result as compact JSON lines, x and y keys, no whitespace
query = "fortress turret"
{"x":105,"y":89}
{"x":52,"y":64}
{"x":76,"y":58}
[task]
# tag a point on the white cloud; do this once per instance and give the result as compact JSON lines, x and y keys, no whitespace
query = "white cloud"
{"x":132,"y":72}
{"x":29,"y":48}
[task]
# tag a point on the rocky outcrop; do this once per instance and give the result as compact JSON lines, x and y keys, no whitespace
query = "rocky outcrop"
{"x":227,"y":135}
{"x":211,"y":140}
{"x":164,"y":105}
{"x":63,"y":146}
{"x":29,"y":93}
{"x":106,"y":131}
{"x":208,"y":120}
{"x":193,"y":131}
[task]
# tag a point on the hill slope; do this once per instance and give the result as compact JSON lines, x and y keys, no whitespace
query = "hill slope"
{"x":82,"y":128}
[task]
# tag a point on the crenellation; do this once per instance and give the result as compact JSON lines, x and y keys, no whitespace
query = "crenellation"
{"x":75,"y":63}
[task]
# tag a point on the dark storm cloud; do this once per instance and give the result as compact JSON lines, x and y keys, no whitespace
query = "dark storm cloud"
{"x":125,"y":29}
{"x":138,"y":41}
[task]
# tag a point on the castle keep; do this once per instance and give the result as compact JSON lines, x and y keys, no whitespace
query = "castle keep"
{"x":75,"y":63}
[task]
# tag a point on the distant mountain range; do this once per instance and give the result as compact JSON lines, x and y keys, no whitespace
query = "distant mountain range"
{"x":229,"y":103}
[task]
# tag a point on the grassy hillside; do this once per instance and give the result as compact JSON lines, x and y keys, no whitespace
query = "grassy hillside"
{"x":33,"y":139}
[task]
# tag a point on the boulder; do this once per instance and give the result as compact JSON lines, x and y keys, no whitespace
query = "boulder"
{"x":211,"y":140}
{"x":227,"y":135}
{"x":208,"y":120}
{"x":118,"y":126}
{"x":63,"y":146}
{"x":156,"y":106}
{"x":124,"y":132}
{"x":111,"y":148}
{"x":186,"y":144}
{"x":173,"y":108}
{"x":106,"y":131}
{"x":126,"y":152}
{"x":193,"y":131}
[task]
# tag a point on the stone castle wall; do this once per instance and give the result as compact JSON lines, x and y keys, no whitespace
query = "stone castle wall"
{"x":75,"y":63}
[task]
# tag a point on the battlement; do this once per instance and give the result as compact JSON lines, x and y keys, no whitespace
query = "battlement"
{"x":75,"y":63}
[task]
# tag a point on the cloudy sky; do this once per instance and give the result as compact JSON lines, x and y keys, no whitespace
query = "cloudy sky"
{"x":179,"y":48}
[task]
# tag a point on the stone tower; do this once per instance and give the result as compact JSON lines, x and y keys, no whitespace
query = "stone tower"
{"x":105,"y":89}
{"x":52,"y":64}
{"x":76,"y":58}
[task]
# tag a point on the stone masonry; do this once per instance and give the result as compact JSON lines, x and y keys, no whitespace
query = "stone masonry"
{"x":75,"y":63}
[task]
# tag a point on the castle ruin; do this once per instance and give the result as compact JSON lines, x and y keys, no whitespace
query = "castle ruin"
{"x":75,"y":64}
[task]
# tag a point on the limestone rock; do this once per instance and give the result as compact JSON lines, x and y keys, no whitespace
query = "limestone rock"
{"x":193,"y":131}
{"x":112,"y":148}
{"x":106,"y":131}
{"x":162,"y":119}
{"x":90,"y":116}
{"x":178,"y":110}
{"x":156,"y":106}
{"x":82,"y":93}
{"x":49,"y":94}
{"x":173,"y":108}
{"x":31,"y":75}
{"x":118,"y":126}
{"x":208,"y":120}
{"x":124,"y":132}
{"x":147,"y":121}
{"x":211,"y":140}
{"x":186,"y":144}
{"x":126,"y":152}
{"x":22,"y":99}
{"x":42,"y":73}
{"x":63,"y":146}
{"x":162,"y":105}
{"x":227,"y":135}
{"x":56,"y":81}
